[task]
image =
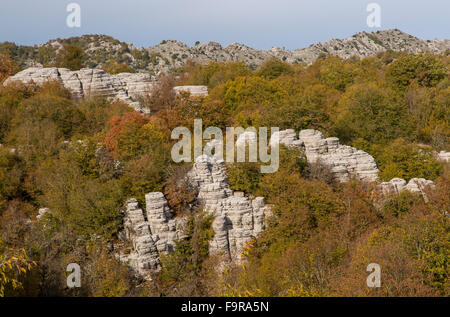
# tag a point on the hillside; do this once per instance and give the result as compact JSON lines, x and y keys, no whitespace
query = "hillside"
{"x":101,"y":49}
{"x":361,"y":169}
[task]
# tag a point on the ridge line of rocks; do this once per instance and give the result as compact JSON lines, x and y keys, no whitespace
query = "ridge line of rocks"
{"x":127,"y":87}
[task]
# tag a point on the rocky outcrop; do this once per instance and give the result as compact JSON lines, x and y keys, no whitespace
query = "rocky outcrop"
{"x":165,"y":228}
{"x":152,"y":232}
{"x":171,"y":54}
{"x":86,"y":82}
{"x":396,"y":185}
{"x":344,"y":161}
{"x":175,"y":54}
{"x":237,"y":218}
{"x":144,"y":257}
{"x":195,"y":91}
{"x":127,"y":87}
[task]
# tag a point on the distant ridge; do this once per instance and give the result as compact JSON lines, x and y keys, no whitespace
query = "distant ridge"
{"x":100,"y":49}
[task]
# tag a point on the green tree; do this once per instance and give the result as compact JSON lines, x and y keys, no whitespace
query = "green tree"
{"x":427,"y":70}
{"x":70,"y":57}
{"x":273,"y":68}
{"x":373,"y":113}
{"x":405,"y":160}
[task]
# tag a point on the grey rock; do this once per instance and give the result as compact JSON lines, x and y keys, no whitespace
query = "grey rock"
{"x":86,"y":82}
{"x":42,"y":212}
{"x":195,"y":91}
{"x":237,"y":218}
{"x":443,"y":156}
{"x":344,"y":161}
{"x":396,"y":185}
{"x":144,"y":258}
{"x":163,"y":225}
{"x":172,"y":54}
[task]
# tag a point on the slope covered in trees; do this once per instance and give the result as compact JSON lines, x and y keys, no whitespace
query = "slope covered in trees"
{"x":83,"y":158}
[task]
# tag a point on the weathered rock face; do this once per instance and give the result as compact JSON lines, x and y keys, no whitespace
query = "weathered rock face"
{"x":396,"y":185}
{"x":170,"y":54}
{"x":165,"y":229}
{"x":237,"y":218}
{"x":86,"y":82}
{"x":344,"y":161}
{"x":195,"y":91}
{"x":144,"y":258}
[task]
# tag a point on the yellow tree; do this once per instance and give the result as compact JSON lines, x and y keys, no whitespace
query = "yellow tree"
{"x":12,"y":265}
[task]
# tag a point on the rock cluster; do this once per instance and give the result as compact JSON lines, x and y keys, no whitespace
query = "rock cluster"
{"x":362,"y":44}
{"x":396,"y":185}
{"x":127,"y":87}
{"x":237,"y":218}
{"x":344,"y":161}
{"x":172,"y":54}
{"x":151,"y":233}
{"x":195,"y":91}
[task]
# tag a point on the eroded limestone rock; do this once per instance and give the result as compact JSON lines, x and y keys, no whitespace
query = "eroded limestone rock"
{"x":144,"y":258}
{"x":344,"y":161}
{"x":152,"y":232}
{"x":127,"y":87}
{"x":195,"y":91}
{"x":165,"y":228}
{"x":396,"y":185}
{"x":237,"y":218}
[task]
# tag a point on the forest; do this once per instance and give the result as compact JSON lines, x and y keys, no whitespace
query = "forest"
{"x":83,"y":158}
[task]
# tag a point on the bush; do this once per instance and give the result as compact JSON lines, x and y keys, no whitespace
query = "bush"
{"x":274,"y":68}
{"x":70,"y":57}
{"x":404,"y":160}
{"x":427,"y":70}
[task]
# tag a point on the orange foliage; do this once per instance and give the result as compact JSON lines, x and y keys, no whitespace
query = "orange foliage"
{"x":119,"y":127}
{"x":7,"y":67}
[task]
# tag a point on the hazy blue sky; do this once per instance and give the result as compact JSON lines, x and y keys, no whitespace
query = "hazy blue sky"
{"x":257,"y":23}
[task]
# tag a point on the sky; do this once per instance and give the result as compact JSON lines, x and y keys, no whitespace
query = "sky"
{"x":260,"y":24}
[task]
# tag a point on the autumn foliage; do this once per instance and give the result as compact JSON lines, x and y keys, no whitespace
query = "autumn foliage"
{"x":83,"y":159}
